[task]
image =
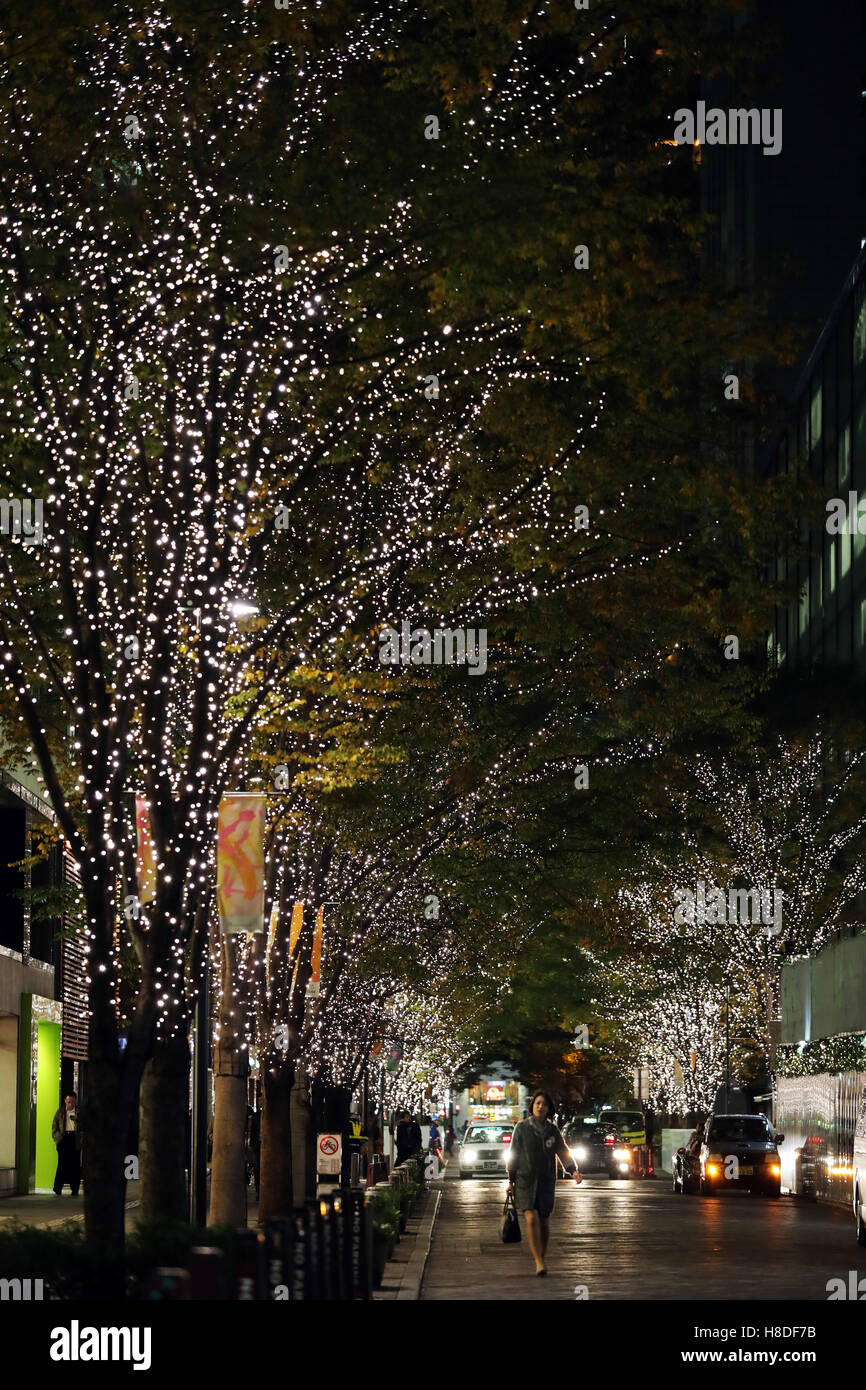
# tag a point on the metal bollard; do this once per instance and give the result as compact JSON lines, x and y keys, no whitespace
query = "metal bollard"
{"x":278,"y":1252}
{"x":208,"y":1273}
{"x":250,"y":1273}
{"x":339,"y":1287}
{"x":321,"y":1220}
{"x":359,"y":1236}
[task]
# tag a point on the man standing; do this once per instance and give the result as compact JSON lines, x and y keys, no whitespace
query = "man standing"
{"x":66,"y":1133}
{"x":408,"y":1137}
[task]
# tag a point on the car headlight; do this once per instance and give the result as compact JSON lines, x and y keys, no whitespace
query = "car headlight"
{"x":470,"y":1155}
{"x":776,"y":1170}
{"x":578,"y":1153}
{"x":622,"y":1154}
{"x":712,"y":1170}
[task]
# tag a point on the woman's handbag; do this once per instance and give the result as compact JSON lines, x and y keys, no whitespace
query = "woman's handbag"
{"x":510,"y":1228}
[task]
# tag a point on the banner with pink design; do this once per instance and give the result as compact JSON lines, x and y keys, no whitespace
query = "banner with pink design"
{"x":241,"y":863}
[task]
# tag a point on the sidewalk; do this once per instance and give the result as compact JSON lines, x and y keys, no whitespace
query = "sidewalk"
{"x":44,"y":1209}
{"x":405,"y":1270}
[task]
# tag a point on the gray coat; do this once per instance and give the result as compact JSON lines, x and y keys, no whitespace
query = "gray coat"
{"x":532,"y":1164}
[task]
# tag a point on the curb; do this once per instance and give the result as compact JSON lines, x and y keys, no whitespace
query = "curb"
{"x":410,"y":1286}
{"x":402,"y":1278}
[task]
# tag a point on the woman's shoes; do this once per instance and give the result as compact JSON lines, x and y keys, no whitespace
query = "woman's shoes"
{"x":540,"y":1273}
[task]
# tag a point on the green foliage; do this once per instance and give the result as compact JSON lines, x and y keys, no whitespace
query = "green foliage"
{"x":833,"y":1055}
{"x":61,"y":1257}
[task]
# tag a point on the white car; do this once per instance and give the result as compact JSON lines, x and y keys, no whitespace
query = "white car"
{"x":484,"y":1150}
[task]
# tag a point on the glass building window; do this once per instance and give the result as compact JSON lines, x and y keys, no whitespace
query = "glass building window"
{"x":843,"y":375}
{"x":860,"y":444}
{"x":859,"y":336}
{"x":844,"y":543}
{"x":831,"y":561}
{"x":829,"y":411}
{"x":803,"y":617}
{"x":858,"y":522}
{"x":815,"y":419}
{"x":845,"y":459}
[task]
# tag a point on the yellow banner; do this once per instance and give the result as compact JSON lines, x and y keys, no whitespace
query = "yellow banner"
{"x":241,"y":863}
{"x":144,"y":857}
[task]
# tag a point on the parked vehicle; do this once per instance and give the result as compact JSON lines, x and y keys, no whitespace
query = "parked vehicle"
{"x":859,"y":1165}
{"x":739,"y":1151}
{"x":484,"y":1150}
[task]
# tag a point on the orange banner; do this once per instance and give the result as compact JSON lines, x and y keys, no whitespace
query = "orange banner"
{"x":295,"y":928}
{"x":241,"y":863}
{"x":316,"y":962}
{"x":144,"y":856}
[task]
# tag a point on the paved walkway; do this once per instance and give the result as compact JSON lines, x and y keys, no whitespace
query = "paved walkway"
{"x":44,"y":1209}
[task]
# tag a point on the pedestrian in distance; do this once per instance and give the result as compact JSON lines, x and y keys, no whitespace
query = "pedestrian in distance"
{"x":695,"y":1139}
{"x":66,"y":1133}
{"x":434,"y":1142}
{"x":535,"y":1146}
{"x":408,"y":1137}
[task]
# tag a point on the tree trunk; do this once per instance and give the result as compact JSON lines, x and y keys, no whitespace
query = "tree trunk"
{"x":164,"y":1130}
{"x":231,"y":1069}
{"x":303,"y":1141}
{"x":111,"y":1093}
{"x":104,"y":1130}
{"x":275,"y":1184}
{"x":228,"y":1200}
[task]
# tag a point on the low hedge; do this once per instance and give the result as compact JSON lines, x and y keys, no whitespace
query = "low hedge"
{"x":60,"y":1257}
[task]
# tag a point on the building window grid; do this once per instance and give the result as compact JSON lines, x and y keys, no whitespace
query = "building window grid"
{"x":827,"y":432}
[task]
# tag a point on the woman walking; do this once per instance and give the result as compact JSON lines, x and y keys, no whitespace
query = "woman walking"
{"x":535,"y":1146}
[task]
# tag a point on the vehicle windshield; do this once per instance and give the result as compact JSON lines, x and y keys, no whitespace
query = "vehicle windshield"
{"x":623,"y":1119}
{"x":579,"y":1131}
{"x":490,"y":1134}
{"x":746,"y":1128}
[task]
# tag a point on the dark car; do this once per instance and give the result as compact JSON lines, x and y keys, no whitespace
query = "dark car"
{"x":738,"y":1151}
{"x":599,"y":1148}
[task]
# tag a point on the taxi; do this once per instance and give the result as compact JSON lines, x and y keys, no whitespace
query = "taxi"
{"x":630,"y":1124}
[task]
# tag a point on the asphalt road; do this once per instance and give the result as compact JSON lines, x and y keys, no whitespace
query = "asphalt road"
{"x":637,"y":1240}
